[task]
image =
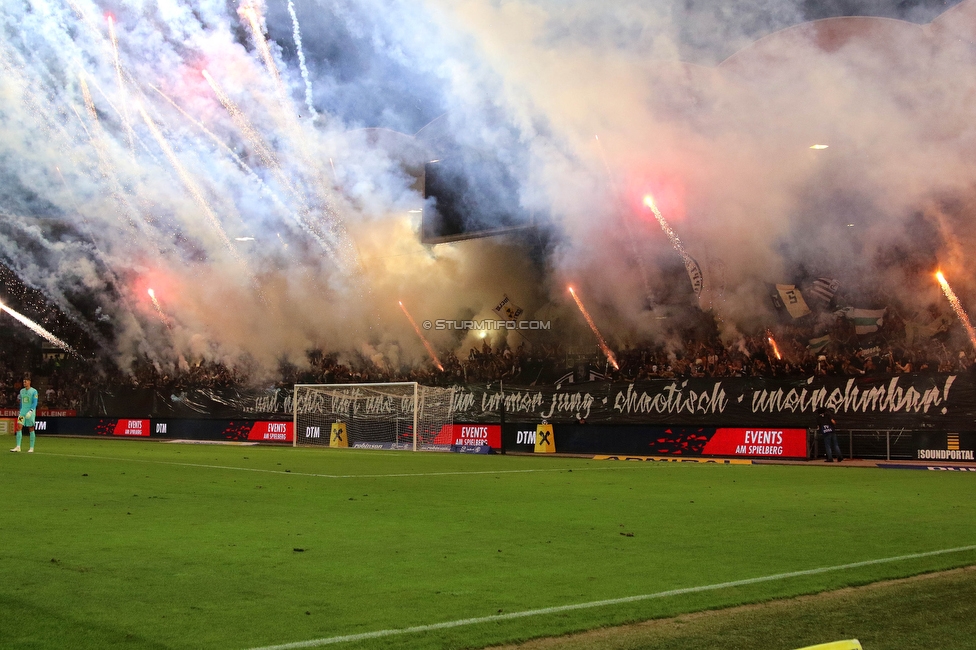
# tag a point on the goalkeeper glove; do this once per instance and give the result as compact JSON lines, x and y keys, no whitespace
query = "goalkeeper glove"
{"x":20,"y":420}
{"x":30,"y":414}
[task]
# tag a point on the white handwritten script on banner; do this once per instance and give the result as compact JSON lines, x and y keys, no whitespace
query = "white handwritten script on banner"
{"x":902,"y":400}
{"x":712,"y":401}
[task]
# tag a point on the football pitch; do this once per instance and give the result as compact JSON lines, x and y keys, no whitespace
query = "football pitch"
{"x":157,"y":545}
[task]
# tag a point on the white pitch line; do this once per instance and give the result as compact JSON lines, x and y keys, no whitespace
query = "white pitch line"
{"x":395,"y":475}
{"x":314,"y":643}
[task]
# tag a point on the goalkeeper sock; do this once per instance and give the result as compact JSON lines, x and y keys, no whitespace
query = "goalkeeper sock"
{"x":20,"y":436}
{"x":32,"y":439}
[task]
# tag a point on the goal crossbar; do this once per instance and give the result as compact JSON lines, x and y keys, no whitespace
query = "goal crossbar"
{"x":388,"y":415}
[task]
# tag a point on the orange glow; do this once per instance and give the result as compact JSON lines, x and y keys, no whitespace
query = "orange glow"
{"x":666,"y":190}
{"x":423,"y":339}
{"x":957,"y":307}
{"x":599,"y":337}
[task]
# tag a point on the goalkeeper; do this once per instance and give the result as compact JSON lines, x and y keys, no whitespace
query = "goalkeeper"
{"x":28,"y":409}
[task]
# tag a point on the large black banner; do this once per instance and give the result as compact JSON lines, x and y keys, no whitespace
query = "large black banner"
{"x":937,"y":401}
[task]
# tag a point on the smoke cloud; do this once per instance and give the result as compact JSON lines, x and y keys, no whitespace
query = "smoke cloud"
{"x":266,"y":228}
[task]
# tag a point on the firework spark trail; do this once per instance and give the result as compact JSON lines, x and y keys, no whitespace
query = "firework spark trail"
{"x":305,"y":216}
{"x":106,"y":168}
{"x":599,"y":337}
{"x":89,"y":102}
{"x":261,"y":148}
{"x":37,"y":329}
{"x":190,"y":185}
{"x":690,"y":264}
{"x":286,"y":118}
{"x":672,"y":236}
{"x":233,"y":154}
{"x":772,"y":343}
{"x":423,"y":339}
{"x":152,"y":296}
{"x":324,"y":210}
{"x":102,"y":169}
{"x":297,"y":34}
{"x":146,"y":149}
{"x":957,"y":307}
{"x":249,"y":12}
{"x":159,"y":309}
{"x":122,"y":93}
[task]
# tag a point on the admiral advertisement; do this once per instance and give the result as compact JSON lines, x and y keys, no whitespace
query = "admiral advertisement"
{"x":664,"y":441}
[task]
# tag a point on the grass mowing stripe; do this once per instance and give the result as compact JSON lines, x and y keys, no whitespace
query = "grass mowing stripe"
{"x":602,"y":603}
{"x":396,"y":475}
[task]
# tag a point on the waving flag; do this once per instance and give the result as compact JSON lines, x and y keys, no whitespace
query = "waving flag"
{"x":822,"y":290}
{"x":507,"y":309}
{"x":818,"y":344}
{"x":788,"y":297}
{"x":866,"y":321}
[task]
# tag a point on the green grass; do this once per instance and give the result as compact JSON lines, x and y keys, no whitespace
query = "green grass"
{"x":920,"y":613}
{"x":110,"y":543}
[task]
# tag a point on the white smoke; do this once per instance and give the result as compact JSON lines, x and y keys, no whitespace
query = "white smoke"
{"x":591,"y":107}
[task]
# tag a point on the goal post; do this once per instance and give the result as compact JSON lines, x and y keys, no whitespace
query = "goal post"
{"x":397,"y":415}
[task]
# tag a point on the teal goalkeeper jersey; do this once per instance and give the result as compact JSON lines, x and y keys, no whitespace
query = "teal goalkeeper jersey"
{"x":28,"y":400}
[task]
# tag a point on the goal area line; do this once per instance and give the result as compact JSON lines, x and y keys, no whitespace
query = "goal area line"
{"x":314,"y":643}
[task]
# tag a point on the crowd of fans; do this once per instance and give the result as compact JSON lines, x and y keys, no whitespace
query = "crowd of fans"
{"x":783,"y":351}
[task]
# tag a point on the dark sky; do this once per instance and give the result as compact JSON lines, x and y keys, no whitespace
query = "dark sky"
{"x":371,"y":86}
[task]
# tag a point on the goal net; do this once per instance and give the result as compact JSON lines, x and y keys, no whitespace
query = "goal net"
{"x":403,"y":415}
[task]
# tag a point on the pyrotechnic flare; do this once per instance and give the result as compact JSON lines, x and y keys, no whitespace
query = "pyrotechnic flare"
{"x":599,"y":337}
{"x":159,"y":309}
{"x":772,"y":343}
{"x":152,"y":296}
{"x":37,"y":329}
{"x":423,"y":339}
{"x":694,"y":271}
{"x":957,"y":307}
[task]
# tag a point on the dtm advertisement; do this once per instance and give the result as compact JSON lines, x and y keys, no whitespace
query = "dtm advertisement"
{"x":218,"y":430}
{"x":638,"y":440}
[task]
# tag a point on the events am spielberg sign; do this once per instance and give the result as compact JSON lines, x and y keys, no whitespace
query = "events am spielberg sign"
{"x":939,"y":401}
